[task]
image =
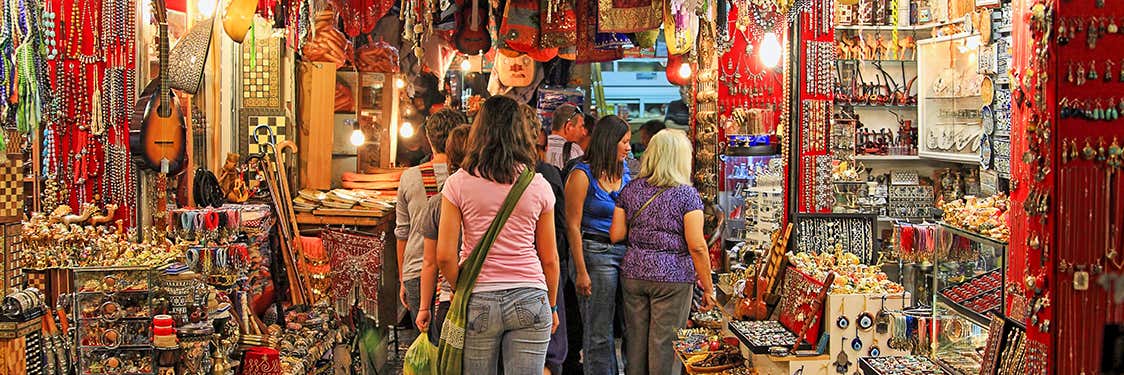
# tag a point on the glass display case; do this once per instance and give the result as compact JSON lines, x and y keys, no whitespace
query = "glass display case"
{"x":968,"y":283}
{"x":950,"y":98}
{"x":113,"y":306}
{"x":753,"y":198}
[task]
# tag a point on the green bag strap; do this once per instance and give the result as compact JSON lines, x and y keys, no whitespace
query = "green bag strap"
{"x":471,"y":267}
{"x":451,"y":348}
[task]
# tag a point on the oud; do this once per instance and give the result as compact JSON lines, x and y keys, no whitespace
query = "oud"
{"x":159,"y":140}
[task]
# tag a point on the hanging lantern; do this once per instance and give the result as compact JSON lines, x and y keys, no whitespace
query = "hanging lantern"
{"x":679,"y":70}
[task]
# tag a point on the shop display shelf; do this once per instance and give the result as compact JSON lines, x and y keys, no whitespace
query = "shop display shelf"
{"x":892,"y":61}
{"x":958,"y":97}
{"x":875,"y":106}
{"x":973,"y":235}
{"x":886,"y":157}
{"x":965,"y":312}
{"x":886,"y":27}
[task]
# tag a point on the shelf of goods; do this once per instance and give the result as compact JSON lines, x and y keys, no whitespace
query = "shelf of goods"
{"x":950,"y":99}
{"x":860,"y":325}
{"x":753,"y":197}
{"x":969,"y":279}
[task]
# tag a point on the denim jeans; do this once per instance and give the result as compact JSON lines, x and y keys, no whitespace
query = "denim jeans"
{"x":656,"y":311}
{"x":601,"y":308}
{"x":413,"y":297}
{"x":515,"y":322}
{"x":558,"y":349}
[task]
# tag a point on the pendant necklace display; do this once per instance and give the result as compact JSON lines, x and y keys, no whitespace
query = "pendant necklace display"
{"x":856,"y":343}
{"x":882,"y":324}
{"x":842,"y":362}
{"x":865,"y":321}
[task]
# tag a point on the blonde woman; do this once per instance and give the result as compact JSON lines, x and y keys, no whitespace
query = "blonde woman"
{"x":660,"y":214}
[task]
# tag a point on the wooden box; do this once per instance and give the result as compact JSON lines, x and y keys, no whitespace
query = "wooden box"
{"x":316,"y":122}
{"x":12,"y":330}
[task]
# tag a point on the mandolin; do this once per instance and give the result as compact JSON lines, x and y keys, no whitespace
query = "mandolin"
{"x":159,"y":139}
{"x":472,"y":35}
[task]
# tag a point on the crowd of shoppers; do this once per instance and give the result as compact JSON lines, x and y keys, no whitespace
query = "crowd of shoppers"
{"x":493,"y":232}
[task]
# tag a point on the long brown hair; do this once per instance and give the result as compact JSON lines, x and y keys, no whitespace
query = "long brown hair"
{"x":456,"y":145}
{"x":500,"y":145}
{"x":602,"y":154}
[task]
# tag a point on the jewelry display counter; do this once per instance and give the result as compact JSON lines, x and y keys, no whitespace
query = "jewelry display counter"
{"x":969,"y":280}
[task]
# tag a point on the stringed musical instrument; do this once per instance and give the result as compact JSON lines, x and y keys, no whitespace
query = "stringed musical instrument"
{"x":472,"y":35}
{"x":754,"y":308}
{"x":765,"y":275}
{"x":238,"y":19}
{"x":159,"y":137}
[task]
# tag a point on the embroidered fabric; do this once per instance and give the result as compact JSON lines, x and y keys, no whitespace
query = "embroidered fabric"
{"x":356,"y":263}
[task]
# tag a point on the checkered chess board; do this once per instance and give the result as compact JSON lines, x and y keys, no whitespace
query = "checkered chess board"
{"x":277,"y":126}
{"x":11,"y":190}
{"x":261,"y":78}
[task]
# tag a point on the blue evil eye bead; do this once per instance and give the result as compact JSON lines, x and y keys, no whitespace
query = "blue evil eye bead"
{"x":875,"y":352}
{"x":856,"y":344}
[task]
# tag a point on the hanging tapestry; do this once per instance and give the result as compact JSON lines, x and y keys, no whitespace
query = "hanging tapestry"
{"x":356,"y":263}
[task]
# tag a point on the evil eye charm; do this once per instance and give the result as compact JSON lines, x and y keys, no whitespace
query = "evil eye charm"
{"x":856,"y":344}
{"x":875,"y":352}
{"x":843,"y":322}
{"x":865,"y":321}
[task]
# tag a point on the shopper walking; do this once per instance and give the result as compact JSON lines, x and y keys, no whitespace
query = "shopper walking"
{"x":661,"y":216}
{"x":570,"y":135}
{"x":504,"y":292}
{"x":592,"y":189}
{"x":431,"y":284}
{"x":557,"y":351}
{"x":414,"y":189}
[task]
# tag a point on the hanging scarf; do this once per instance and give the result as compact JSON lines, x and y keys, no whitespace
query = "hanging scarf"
{"x":356,"y":269}
{"x":591,"y":45}
{"x":629,"y":16}
{"x":681,"y":26}
{"x":451,"y":350}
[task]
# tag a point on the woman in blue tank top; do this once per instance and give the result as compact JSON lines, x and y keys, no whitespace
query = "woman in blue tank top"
{"x":592,"y":189}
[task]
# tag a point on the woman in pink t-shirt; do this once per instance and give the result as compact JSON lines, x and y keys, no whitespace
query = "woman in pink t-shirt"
{"x":512,"y":309}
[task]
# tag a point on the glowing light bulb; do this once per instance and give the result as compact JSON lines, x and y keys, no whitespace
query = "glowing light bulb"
{"x":406,"y":130}
{"x":357,"y":138}
{"x":685,"y":70}
{"x":770,"y":50}
{"x":399,"y":83}
{"x":465,"y":64}
{"x":205,"y":7}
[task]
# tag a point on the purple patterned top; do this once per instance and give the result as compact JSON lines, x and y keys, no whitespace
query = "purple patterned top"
{"x":657,"y":249}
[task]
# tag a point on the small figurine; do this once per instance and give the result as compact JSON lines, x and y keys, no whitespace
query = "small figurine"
{"x":87,"y":211}
{"x":110,"y":210}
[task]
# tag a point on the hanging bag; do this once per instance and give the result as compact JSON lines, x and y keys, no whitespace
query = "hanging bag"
{"x":450,"y":353}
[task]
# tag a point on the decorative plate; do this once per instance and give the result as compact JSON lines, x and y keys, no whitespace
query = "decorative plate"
{"x":988,"y":119}
{"x":985,"y":151}
{"x":987,"y":90}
